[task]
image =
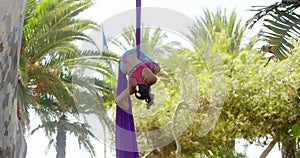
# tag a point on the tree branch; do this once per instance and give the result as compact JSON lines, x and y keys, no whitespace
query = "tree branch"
{"x":268,"y":149}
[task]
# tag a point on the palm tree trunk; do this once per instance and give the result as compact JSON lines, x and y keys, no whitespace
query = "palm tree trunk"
{"x":104,"y":144}
{"x":289,"y":148}
{"x":12,"y":142}
{"x":61,"y":138}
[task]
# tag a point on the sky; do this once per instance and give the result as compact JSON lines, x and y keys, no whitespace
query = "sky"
{"x":102,"y":11}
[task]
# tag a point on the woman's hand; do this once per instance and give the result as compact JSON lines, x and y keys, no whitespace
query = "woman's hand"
{"x":152,"y":100}
{"x":152,"y":96}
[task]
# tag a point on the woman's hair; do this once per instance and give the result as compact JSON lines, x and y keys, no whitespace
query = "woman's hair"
{"x":142,"y":92}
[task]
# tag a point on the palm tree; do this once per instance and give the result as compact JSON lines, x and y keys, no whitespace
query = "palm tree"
{"x":49,"y":29}
{"x":63,"y":126}
{"x":215,"y":33}
{"x":48,"y":61}
{"x":152,"y":41}
{"x":211,"y":25}
{"x":282,"y":24}
{"x":58,"y":118}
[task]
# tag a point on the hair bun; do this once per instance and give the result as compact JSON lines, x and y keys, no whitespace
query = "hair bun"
{"x":142,"y":92}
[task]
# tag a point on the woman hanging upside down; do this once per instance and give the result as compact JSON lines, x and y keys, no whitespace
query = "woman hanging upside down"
{"x":141,"y":73}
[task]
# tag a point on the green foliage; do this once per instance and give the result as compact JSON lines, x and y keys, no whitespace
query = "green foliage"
{"x":255,"y":107}
{"x":282,"y":24}
{"x":296,"y":130}
{"x":259,"y":101}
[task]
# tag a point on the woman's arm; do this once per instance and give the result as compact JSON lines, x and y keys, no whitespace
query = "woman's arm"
{"x":132,"y":84}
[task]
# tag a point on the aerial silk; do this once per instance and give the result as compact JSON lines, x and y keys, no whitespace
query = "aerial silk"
{"x":126,"y":144}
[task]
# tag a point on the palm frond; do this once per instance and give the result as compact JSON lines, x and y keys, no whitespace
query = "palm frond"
{"x":88,"y":146}
{"x":24,"y":98}
{"x":44,"y":81}
{"x":281,"y":29}
{"x":30,"y":6}
{"x":152,"y":41}
{"x":56,"y":26}
{"x":92,"y":56}
{"x":98,"y":89}
{"x":49,"y":128}
{"x":59,"y":39}
{"x":205,"y":31}
{"x":264,"y":11}
{"x":83,"y":134}
{"x":50,"y":143}
{"x":282,"y":25}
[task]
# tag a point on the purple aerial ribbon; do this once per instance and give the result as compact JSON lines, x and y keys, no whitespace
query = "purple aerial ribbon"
{"x":138,"y":27}
{"x":126,"y":144}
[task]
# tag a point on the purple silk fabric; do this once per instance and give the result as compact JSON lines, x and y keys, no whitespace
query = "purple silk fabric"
{"x":126,"y":144}
{"x":138,"y":26}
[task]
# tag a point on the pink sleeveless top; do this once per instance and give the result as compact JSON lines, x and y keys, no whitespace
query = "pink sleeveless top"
{"x":137,"y":73}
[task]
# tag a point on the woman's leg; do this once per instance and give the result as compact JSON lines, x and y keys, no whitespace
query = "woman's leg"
{"x":122,"y":99}
{"x":130,"y":62}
